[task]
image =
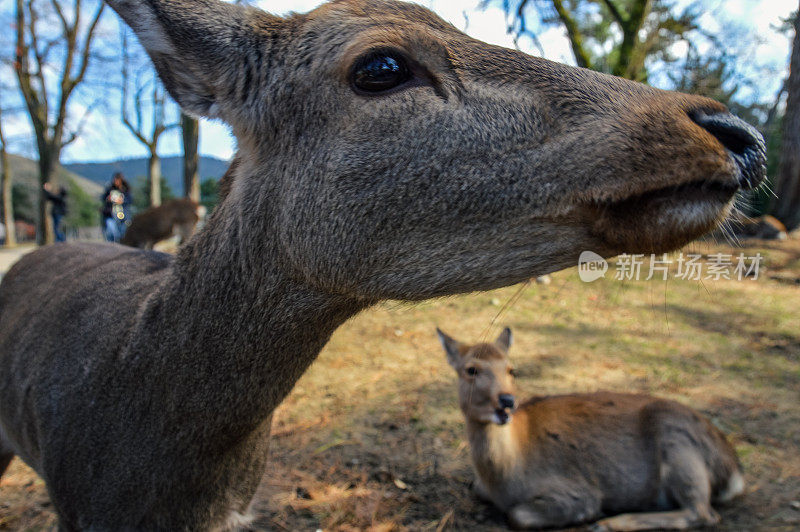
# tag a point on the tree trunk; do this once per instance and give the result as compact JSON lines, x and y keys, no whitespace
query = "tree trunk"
{"x":191,"y":178}
{"x":787,"y":184}
{"x":8,"y":207}
{"x":154,"y":176}
{"x":45,"y":233}
{"x":630,"y":39}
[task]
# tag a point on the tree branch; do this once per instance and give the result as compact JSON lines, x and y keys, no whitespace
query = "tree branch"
{"x":638,"y":55}
{"x":582,"y":57}
{"x":630,"y":38}
{"x":81,"y":124}
{"x":773,"y":110}
{"x":3,"y":144}
{"x":70,"y":37}
{"x":523,"y":29}
{"x":639,"y":13}
{"x":615,"y":12}
{"x":22,"y":69}
{"x":60,"y":13}
{"x":87,"y":45}
{"x":126,"y":121}
{"x":33,"y":18}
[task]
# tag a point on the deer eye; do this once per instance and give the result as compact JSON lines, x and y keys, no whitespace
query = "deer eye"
{"x":380,"y":71}
{"x":472,"y":371}
{"x":512,"y":372}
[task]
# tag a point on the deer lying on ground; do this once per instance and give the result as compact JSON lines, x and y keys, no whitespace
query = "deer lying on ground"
{"x":764,"y":227}
{"x":174,"y":217}
{"x":381,"y":154}
{"x":563,"y":460}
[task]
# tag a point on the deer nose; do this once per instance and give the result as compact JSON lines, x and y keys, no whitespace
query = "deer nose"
{"x":506,"y":400}
{"x":743,"y":142}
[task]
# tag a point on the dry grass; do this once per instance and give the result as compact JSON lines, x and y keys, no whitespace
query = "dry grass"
{"x":371,"y":437}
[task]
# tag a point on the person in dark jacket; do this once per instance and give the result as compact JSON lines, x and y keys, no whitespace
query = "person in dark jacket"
{"x":117,"y":200}
{"x":58,"y":210}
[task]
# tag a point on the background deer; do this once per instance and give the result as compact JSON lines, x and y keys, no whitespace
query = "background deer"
{"x":174,"y":217}
{"x":766,"y":227}
{"x":556,"y":461}
{"x":381,"y":154}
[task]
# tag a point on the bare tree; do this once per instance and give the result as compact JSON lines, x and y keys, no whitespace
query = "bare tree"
{"x":191,"y":177}
{"x":47,"y":100}
{"x":137,"y":125}
{"x":786,"y":206}
{"x":5,"y":187}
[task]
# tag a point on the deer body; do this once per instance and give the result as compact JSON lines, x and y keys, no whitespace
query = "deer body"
{"x":173,"y":217}
{"x":381,"y":154}
{"x":205,"y":434}
{"x":557,"y":461}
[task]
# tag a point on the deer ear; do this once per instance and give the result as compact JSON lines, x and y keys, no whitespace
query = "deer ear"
{"x":504,"y":340}
{"x":202,"y":49}
{"x":450,"y":348}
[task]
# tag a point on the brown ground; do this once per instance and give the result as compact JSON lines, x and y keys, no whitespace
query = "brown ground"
{"x":371,"y":437}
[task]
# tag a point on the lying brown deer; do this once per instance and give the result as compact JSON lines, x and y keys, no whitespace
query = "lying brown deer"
{"x":381,"y":154}
{"x":563,"y":460}
{"x":175,"y":217}
{"x":764,"y":227}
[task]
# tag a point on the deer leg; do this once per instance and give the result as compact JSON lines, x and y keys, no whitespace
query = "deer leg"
{"x":524,"y":517}
{"x":480,"y":490}
{"x":685,"y":480}
{"x":63,"y":526}
{"x":5,"y":459}
{"x":6,"y":455}
{"x":672,"y":520}
{"x":184,"y":232}
{"x":558,"y":507}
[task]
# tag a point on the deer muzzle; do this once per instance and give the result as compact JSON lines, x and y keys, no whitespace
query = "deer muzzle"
{"x":744,"y":144}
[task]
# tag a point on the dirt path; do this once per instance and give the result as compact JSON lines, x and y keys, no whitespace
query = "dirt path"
{"x":10,"y":256}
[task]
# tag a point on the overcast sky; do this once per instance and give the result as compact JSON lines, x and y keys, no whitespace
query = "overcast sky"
{"x":106,"y":138}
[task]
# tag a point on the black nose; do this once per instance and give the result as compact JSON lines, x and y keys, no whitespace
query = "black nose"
{"x":506,"y":400}
{"x":744,"y":143}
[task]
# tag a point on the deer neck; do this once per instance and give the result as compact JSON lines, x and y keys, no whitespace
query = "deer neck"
{"x":233,"y":327}
{"x":495,"y":449}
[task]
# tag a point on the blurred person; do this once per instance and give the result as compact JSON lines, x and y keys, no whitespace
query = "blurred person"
{"x":117,"y":199}
{"x":59,"y":208}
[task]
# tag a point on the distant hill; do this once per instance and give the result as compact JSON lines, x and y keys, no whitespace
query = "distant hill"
{"x":25,"y":178}
{"x":26,"y":173}
{"x":171,"y":170}
{"x":89,"y":179}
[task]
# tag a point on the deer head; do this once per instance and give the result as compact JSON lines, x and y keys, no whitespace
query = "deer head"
{"x":385,"y":154}
{"x":485,"y":377}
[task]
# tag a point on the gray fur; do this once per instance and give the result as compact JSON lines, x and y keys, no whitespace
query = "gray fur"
{"x":140,"y":386}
